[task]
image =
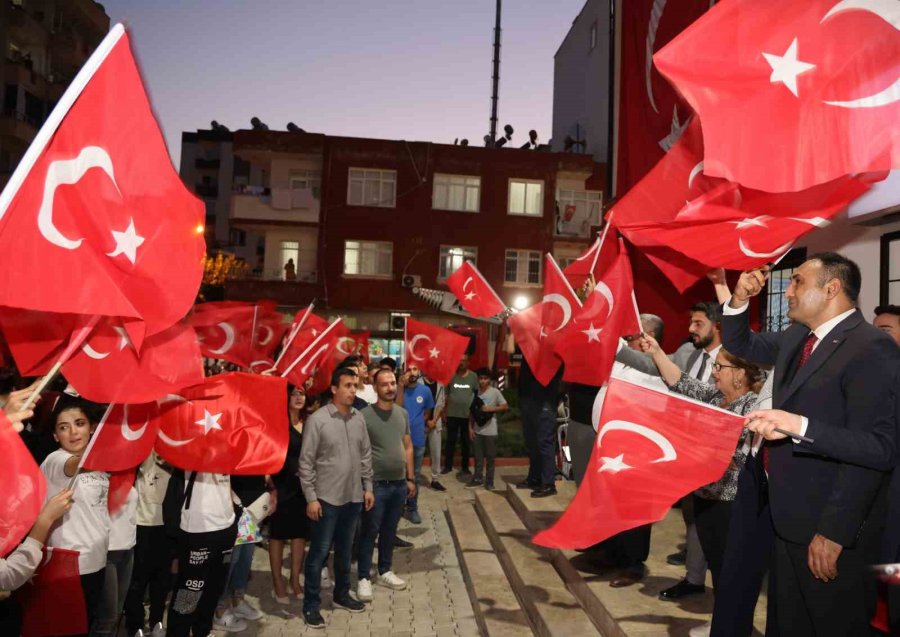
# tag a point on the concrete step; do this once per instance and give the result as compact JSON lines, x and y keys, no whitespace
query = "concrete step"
{"x":543,"y":594}
{"x":497,"y":610}
{"x":634,"y":610}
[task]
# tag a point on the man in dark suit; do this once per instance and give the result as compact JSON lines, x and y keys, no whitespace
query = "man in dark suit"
{"x":831,"y":367}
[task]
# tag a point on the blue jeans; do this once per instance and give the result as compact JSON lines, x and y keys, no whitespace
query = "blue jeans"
{"x":412,"y":504}
{"x":238,"y":573}
{"x":381,"y":522}
{"x":337,"y":525}
{"x":115,"y":586}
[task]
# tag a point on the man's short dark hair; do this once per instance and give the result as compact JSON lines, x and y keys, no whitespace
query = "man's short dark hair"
{"x":887,"y":309}
{"x":712,"y":311}
{"x":484,"y":372}
{"x":351,"y":361}
{"x":381,"y":370}
{"x":340,"y":372}
{"x":837,"y":266}
{"x":389,"y":362}
{"x":654,"y":325}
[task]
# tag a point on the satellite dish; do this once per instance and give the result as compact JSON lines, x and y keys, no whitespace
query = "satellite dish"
{"x":292,"y":127}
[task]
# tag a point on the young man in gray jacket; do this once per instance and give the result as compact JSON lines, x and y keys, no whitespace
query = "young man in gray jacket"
{"x":336,"y":478}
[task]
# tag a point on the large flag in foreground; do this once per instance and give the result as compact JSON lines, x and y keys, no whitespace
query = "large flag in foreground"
{"x":233,"y":423}
{"x":652,"y":448}
{"x":24,"y":488}
{"x":435,"y":350}
{"x":99,"y":221}
{"x":786,"y":98}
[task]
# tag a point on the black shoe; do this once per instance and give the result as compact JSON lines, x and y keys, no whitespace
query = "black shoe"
{"x":400,"y":543}
{"x":682,"y":589}
{"x":465,"y":472}
{"x":437,"y":486}
{"x":527,"y":484}
{"x":543,"y":492}
{"x":474,"y":482}
{"x":349,"y":604}
{"x":446,"y":470}
{"x":677,"y":559}
{"x":313,"y":619}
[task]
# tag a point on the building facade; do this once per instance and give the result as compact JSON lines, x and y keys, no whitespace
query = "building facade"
{"x":44,"y":43}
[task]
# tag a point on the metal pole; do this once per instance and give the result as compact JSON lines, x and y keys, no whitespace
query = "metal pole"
{"x":495,"y":95}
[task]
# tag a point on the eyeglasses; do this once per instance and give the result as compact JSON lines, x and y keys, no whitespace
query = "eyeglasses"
{"x":719,"y":366}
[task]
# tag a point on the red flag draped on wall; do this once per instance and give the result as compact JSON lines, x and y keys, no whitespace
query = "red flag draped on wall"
{"x":473,"y":291}
{"x":787,"y":100}
{"x":99,"y":221}
{"x":435,"y":350}
{"x":233,"y":423}
{"x":24,"y":488}
{"x":652,"y":448}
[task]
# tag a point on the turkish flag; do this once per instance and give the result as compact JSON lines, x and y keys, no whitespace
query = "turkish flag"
{"x":120,"y":483}
{"x":653,"y":447}
{"x":124,"y":439}
{"x":344,"y":346}
{"x":241,"y":333}
{"x":473,"y":291}
{"x":24,"y":488}
{"x":233,"y":423}
{"x":434,"y":350}
{"x":592,"y":262}
{"x":55,"y":585}
{"x":99,"y":220}
{"x":589,"y":344}
{"x":787,"y":100}
{"x":311,"y":353}
{"x":688,"y":222}
{"x":539,"y":327}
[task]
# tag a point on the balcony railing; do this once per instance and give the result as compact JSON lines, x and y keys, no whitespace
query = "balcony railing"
{"x":289,"y":293}
{"x":261,"y":207}
{"x":20,"y":116}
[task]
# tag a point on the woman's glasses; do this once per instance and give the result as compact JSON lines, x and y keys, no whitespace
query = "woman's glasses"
{"x":718,"y":366}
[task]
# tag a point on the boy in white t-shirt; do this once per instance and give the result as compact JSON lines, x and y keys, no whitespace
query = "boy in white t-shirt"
{"x":85,"y":528}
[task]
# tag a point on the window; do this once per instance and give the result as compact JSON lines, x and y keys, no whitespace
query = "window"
{"x":453,"y":257}
{"x":593,"y":36}
{"x":456,"y":192}
{"x":890,"y":269}
{"x":290,"y":250}
{"x":523,"y":267}
{"x":306,"y":180}
{"x":369,"y":258}
{"x":526,"y":197}
{"x":576,"y":212}
{"x":368,"y":187}
{"x":774,"y":306}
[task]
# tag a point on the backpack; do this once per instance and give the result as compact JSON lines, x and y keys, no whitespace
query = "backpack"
{"x":177,"y":497}
{"x":480,"y":416}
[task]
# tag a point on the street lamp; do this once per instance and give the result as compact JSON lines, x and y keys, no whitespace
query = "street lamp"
{"x":520,"y":302}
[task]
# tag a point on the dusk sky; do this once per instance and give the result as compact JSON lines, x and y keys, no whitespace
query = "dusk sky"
{"x":396,"y":69}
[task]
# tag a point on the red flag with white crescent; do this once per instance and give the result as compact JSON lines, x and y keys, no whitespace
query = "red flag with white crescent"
{"x":311,"y":354}
{"x":473,"y":291}
{"x":99,"y":220}
{"x":124,"y":439}
{"x":435,"y":350}
{"x":652,"y":448}
{"x":24,"y":488}
{"x":238,"y":332}
{"x":232,"y":423}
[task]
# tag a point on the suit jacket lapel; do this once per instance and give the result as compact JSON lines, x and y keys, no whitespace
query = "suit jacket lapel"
{"x":691,"y":360}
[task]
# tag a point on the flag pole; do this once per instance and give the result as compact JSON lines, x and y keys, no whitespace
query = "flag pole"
{"x":637,"y":312}
{"x":79,"y":336}
{"x":295,"y":329}
{"x":310,"y":347}
{"x":90,"y":446}
{"x":602,"y":239}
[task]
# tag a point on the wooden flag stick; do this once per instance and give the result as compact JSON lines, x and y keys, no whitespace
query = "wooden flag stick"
{"x":295,"y":329}
{"x":90,"y":446}
{"x":794,"y":436}
{"x":602,"y":240}
{"x":79,"y":336}
{"x":315,"y":342}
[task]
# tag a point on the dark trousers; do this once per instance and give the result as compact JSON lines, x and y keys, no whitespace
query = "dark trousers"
{"x":457,"y":428}
{"x":153,"y":556}
{"x":92,"y":586}
{"x":485,"y":456}
{"x":118,"y":576}
{"x":380,"y":523}
{"x":539,"y":429}
{"x":202,"y":568}
{"x":337,"y":525}
{"x":748,"y":555}
{"x":711,"y":518}
{"x":581,"y":443}
{"x":628,"y":549}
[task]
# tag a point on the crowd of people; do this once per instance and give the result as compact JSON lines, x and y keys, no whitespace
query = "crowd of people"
{"x":175,"y":559}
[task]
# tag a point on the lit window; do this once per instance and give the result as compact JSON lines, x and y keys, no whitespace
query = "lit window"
{"x":577,"y":211}
{"x":523,"y":267}
{"x":526,"y":197}
{"x":368,"y":187}
{"x":452,"y":257}
{"x":369,"y":258}
{"x":456,"y":192}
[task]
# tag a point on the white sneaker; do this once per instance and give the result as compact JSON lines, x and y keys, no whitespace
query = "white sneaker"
{"x":229,"y":622}
{"x":246,"y":611}
{"x":364,"y":590}
{"x":701,"y":631}
{"x":391,"y":581}
{"x":158,"y":630}
{"x":139,"y":633}
{"x":326,"y":580}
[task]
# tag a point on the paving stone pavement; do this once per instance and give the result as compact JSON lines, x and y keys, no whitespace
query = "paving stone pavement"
{"x":434,"y":604}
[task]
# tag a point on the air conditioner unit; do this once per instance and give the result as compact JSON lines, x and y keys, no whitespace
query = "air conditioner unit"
{"x":411,"y":281}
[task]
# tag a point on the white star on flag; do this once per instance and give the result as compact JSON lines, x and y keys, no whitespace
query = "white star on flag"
{"x":434,"y":352}
{"x":209,"y":421}
{"x":127,"y":242}
{"x":759,"y":222}
{"x":786,"y":68}
{"x":470,"y":296}
{"x":615,"y":465}
{"x":592,"y":333}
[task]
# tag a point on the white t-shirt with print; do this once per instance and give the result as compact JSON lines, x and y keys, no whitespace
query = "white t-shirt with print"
{"x":211,"y":507}
{"x":85,"y":527}
{"x":122,"y":527}
{"x":151,"y":483}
